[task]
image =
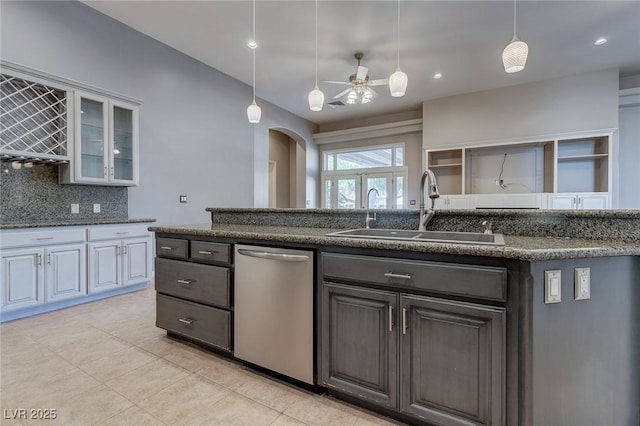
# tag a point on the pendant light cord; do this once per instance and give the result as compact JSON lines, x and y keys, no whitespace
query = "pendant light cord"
{"x":254,"y":51}
{"x":514,"y":17}
{"x":316,"y":44}
{"x":398,"y":33}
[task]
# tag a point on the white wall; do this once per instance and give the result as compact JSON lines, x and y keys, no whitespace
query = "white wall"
{"x":581,"y":102}
{"x":194,"y":134}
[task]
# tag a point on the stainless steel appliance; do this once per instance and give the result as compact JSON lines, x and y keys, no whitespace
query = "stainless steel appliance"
{"x":273,"y":310}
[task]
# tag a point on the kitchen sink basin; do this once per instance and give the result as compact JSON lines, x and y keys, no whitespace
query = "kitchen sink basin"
{"x":424,"y":236}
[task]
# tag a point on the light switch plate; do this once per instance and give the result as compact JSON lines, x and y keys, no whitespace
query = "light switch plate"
{"x":552,"y":286}
{"x":75,"y":208}
{"x":582,"y":283}
{"x":96,"y":208}
{"x":183,"y":198}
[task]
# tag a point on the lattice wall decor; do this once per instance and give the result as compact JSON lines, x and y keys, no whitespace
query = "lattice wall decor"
{"x":33,"y":120}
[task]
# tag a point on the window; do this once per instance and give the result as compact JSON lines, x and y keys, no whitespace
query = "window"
{"x":349,"y":177}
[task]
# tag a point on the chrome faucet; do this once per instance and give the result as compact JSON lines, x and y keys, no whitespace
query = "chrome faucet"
{"x":370,"y":218}
{"x":432,"y":188}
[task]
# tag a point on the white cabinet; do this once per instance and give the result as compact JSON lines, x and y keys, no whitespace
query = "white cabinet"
{"x":34,"y":276}
{"x":118,"y":256}
{"x":595,"y":201}
{"x":22,"y":279}
{"x":452,"y":202}
{"x":106,"y":142}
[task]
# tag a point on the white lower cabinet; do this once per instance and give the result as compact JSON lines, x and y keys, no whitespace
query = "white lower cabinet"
{"x":34,"y":276}
{"x":114,"y":264}
{"x":594,"y":201}
{"x":452,"y":202}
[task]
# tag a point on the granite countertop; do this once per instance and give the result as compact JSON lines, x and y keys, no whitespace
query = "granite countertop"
{"x":72,"y":222}
{"x":516,"y":247}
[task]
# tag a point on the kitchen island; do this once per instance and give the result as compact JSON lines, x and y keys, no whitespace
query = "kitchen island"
{"x":440,"y":333}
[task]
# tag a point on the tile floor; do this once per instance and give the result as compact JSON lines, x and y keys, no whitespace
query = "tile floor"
{"x":105,"y":363}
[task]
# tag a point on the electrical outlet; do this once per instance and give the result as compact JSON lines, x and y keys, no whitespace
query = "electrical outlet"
{"x":582,"y":283}
{"x":552,"y":286}
{"x":412,"y":202}
{"x":183,"y":198}
{"x":75,"y":208}
{"x":96,"y":208}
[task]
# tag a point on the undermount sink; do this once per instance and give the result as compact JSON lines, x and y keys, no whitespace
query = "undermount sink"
{"x":425,"y":236}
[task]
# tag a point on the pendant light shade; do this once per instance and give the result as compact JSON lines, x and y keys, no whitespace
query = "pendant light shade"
{"x":398,"y":83}
{"x":514,"y":56}
{"x":398,"y":80}
{"x":254,"y":113}
{"x":316,"y":99}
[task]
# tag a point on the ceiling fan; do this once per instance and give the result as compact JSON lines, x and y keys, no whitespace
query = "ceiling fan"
{"x":359,"y":85}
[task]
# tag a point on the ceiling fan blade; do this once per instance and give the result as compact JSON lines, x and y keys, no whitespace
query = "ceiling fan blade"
{"x":334,"y":82}
{"x":341,"y":94}
{"x":379,"y":82}
{"x":373,"y":91}
{"x":362,"y":73}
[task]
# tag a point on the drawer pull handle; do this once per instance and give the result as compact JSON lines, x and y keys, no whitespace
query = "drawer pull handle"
{"x":121,"y":233}
{"x":43,"y":238}
{"x":404,"y":321}
{"x":392,"y":275}
{"x":187,"y":321}
{"x":185,"y":282}
{"x":390,"y":318}
{"x":166,"y":248}
{"x":207,"y":252}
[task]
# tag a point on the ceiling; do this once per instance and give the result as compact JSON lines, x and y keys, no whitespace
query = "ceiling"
{"x":461,"y":39}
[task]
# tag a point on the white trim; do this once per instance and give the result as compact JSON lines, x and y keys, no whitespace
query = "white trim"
{"x":369,"y":132}
{"x":629,"y":97}
{"x":393,"y":147}
{"x":63,"y":83}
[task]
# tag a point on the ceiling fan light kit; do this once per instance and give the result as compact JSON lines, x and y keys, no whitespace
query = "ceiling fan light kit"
{"x":514,"y":56}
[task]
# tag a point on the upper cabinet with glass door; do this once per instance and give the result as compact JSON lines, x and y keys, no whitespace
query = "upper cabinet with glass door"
{"x":106,"y":142}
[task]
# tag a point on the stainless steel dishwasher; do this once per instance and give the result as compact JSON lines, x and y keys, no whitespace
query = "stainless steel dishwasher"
{"x":273,"y":310}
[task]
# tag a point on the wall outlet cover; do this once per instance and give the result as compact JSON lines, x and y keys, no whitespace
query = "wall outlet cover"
{"x":582,"y":283}
{"x":75,"y":208}
{"x":96,"y":208}
{"x":552,"y":286}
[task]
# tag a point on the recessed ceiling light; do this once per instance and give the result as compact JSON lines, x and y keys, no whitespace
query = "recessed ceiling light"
{"x":437,"y":75}
{"x":252,"y":44}
{"x":600,"y":41}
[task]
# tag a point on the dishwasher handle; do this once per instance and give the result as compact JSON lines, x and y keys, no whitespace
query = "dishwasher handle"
{"x":274,"y":256}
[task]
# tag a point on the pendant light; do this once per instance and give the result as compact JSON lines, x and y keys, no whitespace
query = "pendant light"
{"x":316,"y":97}
{"x":514,"y":56}
{"x":253,"y":111}
{"x":398,"y":80}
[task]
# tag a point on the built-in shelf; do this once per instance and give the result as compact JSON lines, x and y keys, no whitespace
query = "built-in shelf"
{"x":441,"y":166}
{"x":584,"y":157}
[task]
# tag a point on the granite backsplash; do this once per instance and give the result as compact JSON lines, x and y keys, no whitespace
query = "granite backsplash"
{"x":34,"y":194}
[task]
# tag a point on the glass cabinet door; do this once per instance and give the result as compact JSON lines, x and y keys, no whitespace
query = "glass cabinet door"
{"x":123,"y":143}
{"x":91,"y":132}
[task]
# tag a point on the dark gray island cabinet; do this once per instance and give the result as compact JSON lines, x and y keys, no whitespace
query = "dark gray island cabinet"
{"x":437,"y":334}
{"x":442,"y":361}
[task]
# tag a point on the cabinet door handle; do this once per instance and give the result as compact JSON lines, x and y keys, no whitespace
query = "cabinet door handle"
{"x":187,"y":321}
{"x":185,"y":282}
{"x":166,"y":248}
{"x":43,"y":238}
{"x":392,"y":275}
{"x":207,"y":252}
{"x":105,"y":171}
{"x":122,"y":233}
{"x":49,"y":258}
{"x":124,"y":249}
{"x":404,"y":321}
{"x":111,"y":171}
{"x":118,"y":250}
{"x":390,"y":318}
{"x":36,"y":260}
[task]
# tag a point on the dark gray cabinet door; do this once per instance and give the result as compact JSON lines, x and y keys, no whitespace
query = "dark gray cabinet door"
{"x":452,"y":361}
{"x":360,"y":343}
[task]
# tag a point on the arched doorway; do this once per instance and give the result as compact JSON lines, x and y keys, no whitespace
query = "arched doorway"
{"x":287,"y":169}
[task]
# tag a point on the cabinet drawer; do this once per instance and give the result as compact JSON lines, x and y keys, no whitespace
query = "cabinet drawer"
{"x":172,"y":247}
{"x":203,"y":251}
{"x":115,"y":233}
{"x":42,"y":238}
{"x":200,"y":283}
{"x":203,"y":323}
{"x":484,"y":282}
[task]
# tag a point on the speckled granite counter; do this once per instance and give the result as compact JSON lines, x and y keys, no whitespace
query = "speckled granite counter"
{"x":72,"y":222}
{"x":516,"y":247}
